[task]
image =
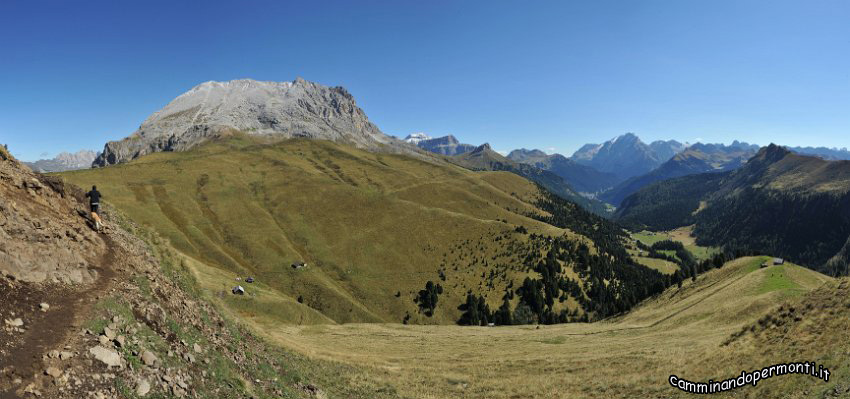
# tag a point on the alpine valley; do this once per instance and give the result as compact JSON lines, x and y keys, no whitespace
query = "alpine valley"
{"x":268,"y":240}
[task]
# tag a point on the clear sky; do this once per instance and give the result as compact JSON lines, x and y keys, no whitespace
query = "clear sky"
{"x":534,"y":74}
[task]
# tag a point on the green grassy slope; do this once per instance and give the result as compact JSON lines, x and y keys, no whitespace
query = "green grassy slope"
{"x":683,"y":331}
{"x":370,"y":226}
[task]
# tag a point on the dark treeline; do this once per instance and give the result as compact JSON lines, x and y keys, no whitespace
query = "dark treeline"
{"x":811,"y":229}
{"x":667,"y":204}
{"x":808,"y":229}
{"x":682,"y":256}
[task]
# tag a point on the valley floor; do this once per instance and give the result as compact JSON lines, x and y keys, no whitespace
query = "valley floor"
{"x":681,"y":332}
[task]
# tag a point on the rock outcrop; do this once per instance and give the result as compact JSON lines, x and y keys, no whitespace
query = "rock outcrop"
{"x":43,"y":230}
{"x":215,"y":109}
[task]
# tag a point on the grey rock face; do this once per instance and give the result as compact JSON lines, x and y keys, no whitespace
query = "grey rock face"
{"x":38,"y":246}
{"x":214,"y":109}
{"x":664,"y":150}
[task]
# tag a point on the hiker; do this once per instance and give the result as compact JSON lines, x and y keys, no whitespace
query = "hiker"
{"x":94,"y":202}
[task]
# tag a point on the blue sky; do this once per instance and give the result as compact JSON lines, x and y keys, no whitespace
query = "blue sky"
{"x":551,"y":75}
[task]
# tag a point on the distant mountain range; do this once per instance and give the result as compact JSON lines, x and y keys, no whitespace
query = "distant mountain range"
{"x":830,"y":154}
{"x":484,"y":158}
{"x":583,"y":178}
{"x":610,"y":171}
{"x":613,"y":170}
{"x":627,"y":156}
{"x":446,"y":145}
{"x":779,"y":202}
{"x":698,"y":158}
{"x":64,"y":161}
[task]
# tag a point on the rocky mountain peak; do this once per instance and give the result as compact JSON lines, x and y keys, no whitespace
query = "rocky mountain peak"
{"x":213,"y":109}
{"x":624,"y":156}
{"x":482,"y":148}
{"x":627,"y":138}
{"x":772,"y":153}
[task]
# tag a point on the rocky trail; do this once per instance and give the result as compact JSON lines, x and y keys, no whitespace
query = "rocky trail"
{"x":50,"y":315}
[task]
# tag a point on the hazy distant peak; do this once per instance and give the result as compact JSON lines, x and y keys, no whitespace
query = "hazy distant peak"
{"x":523,"y":153}
{"x":446,"y":145}
{"x":627,"y":138}
{"x":624,"y":156}
{"x":64,"y":161}
{"x":415,"y":138}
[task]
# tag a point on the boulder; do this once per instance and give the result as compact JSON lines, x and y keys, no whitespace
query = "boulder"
{"x":53,"y":372}
{"x":15,"y":322}
{"x":107,"y":356}
{"x":143,"y":387}
{"x":149,"y":359}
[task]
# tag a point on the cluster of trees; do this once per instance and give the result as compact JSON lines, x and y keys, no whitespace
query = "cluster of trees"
{"x":427,"y":298}
{"x":476,"y":312}
{"x":610,"y":282}
{"x":681,"y":256}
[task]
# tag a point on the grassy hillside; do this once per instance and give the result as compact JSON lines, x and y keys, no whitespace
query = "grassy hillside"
{"x":627,"y":357}
{"x":372,"y":228}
